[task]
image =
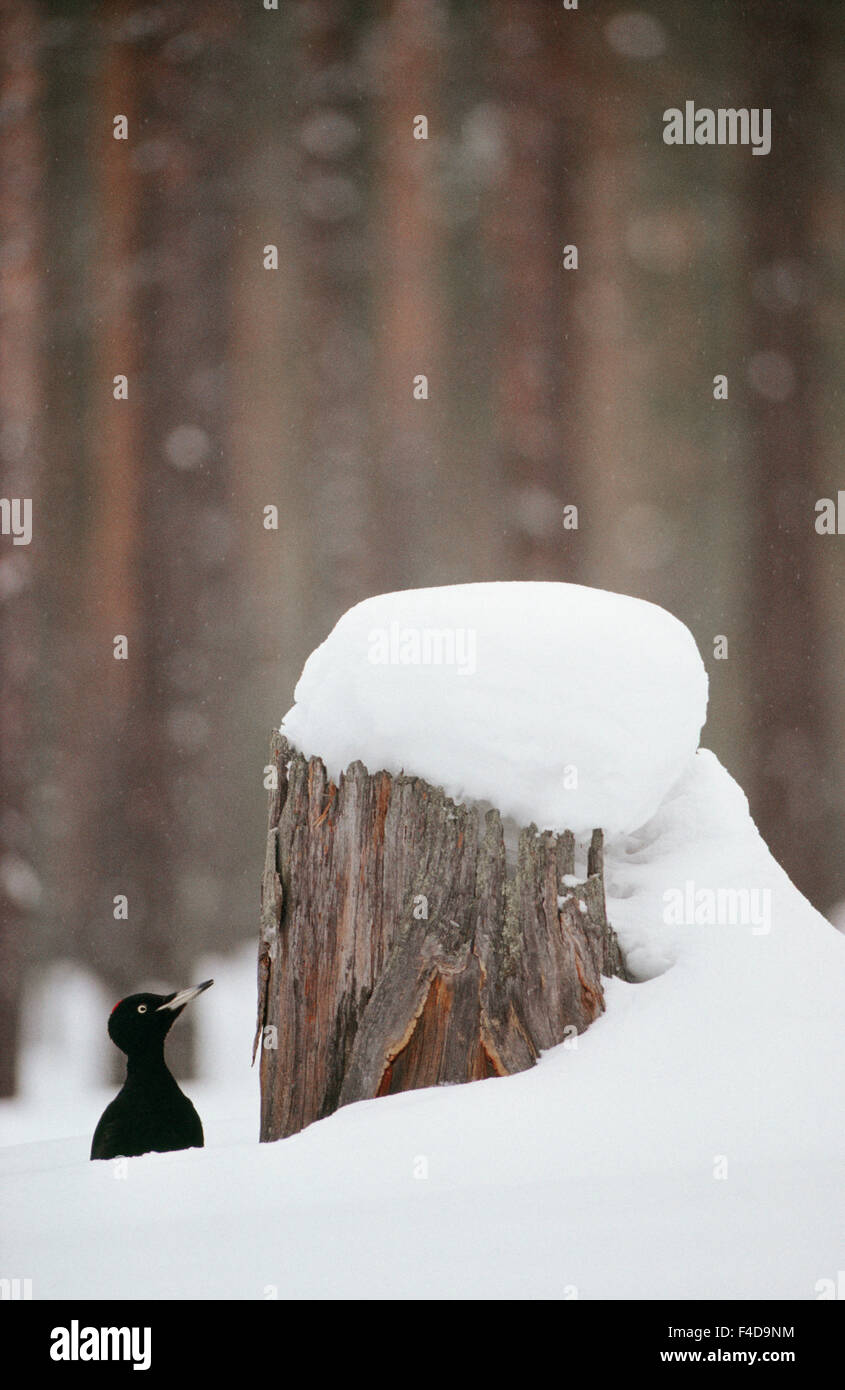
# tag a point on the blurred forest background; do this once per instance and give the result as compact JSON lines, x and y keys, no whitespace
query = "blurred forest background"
{"x":293,"y":388}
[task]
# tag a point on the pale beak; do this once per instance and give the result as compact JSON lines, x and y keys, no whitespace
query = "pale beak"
{"x":184,"y":996}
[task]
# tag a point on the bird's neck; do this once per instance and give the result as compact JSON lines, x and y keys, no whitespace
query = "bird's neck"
{"x":148,"y":1066}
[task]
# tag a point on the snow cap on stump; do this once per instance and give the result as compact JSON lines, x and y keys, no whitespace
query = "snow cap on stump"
{"x":562,"y":705}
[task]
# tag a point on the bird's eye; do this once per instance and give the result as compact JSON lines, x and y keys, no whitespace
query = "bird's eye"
{"x":142,"y":1008}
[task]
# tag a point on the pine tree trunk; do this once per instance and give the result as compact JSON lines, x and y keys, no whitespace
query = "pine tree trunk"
{"x":398,"y":948}
{"x":22,"y":408}
{"x":789,"y":786}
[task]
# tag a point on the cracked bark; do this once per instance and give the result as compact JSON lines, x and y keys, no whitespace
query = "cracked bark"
{"x":398,"y":950}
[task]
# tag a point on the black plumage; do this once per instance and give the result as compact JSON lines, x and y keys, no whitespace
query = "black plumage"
{"x":150,"y":1113}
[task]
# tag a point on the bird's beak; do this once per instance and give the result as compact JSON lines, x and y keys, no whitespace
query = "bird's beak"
{"x":184,"y":996}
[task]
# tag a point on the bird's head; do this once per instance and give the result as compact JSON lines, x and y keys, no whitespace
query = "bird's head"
{"x":140,"y":1022}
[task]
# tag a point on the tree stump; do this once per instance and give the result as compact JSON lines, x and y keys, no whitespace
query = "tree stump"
{"x":398,"y":950}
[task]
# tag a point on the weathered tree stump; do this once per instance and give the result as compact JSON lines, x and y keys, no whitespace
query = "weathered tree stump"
{"x":398,"y":951}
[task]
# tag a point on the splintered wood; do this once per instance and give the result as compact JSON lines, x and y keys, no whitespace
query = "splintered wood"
{"x":398,"y":950}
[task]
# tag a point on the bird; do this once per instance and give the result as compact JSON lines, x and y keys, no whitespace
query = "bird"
{"x":150,"y":1113}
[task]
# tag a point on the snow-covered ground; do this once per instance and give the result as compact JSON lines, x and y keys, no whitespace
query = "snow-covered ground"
{"x":690,"y":1145}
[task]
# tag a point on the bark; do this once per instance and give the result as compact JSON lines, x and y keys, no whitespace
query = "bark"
{"x":22,"y":407}
{"x":790,"y":698}
{"x":531,"y":218}
{"x":398,"y":948}
{"x":414,"y":462}
{"x":333,"y":335}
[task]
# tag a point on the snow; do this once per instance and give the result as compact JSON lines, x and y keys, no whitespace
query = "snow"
{"x":688,"y":1145}
{"x":566,"y":706}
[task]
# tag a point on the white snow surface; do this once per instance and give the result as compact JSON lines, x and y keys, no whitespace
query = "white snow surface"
{"x":562,"y":705}
{"x":690,"y":1145}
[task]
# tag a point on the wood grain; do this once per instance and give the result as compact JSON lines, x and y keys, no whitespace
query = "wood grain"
{"x":399,"y":950}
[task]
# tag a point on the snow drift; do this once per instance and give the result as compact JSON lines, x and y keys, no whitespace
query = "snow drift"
{"x":688,"y":1145}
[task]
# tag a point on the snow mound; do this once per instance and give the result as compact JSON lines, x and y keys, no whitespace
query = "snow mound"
{"x":699,"y":1120}
{"x":562,"y":705}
